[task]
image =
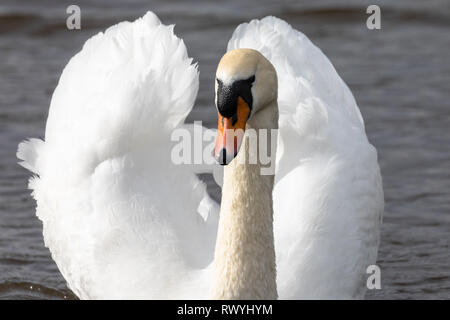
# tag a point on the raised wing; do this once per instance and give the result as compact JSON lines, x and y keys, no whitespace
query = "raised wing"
{"x":328,"y":197}
{"x":120,"y":219}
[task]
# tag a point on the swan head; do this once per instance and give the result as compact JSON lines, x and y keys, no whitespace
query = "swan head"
{"x":246,"y":83}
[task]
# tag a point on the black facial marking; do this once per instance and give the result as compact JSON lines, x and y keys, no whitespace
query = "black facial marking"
{"x":227,"y":96}
{"x":234,"y":119}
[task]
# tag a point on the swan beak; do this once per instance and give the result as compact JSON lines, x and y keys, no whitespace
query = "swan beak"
{"x":230,"y":133}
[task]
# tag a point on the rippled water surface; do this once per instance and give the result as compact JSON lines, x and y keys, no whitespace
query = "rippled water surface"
{"x":400,"y":77}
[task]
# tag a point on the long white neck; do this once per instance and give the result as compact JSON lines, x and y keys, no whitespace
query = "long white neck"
{"x":244,"y":265}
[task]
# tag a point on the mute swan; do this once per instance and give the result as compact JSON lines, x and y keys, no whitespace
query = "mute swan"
{"x":123,"y":221}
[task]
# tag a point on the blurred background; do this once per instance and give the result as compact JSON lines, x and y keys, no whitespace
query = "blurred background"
{"x":399,"y":75}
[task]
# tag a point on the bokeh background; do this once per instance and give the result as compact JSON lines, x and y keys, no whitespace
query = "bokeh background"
{"x":399,"y":75}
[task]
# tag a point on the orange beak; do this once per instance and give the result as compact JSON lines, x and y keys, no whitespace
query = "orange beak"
{"x":230,"y":133}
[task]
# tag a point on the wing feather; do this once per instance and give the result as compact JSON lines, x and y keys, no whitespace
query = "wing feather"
{"x":328,"y":197}
{"x":120,"y":219}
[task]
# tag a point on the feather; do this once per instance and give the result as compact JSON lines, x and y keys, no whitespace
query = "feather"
{"x":328,"y":196}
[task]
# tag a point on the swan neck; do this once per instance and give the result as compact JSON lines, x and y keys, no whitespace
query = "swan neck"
{"x":244,"y":265}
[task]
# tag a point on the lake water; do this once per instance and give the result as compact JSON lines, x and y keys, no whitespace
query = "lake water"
{"x":400,"y":76}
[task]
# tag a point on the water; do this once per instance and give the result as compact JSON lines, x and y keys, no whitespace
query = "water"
{"x":399,"y":75}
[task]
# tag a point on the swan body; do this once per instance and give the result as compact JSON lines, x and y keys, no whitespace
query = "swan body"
{"x":123,"y":221}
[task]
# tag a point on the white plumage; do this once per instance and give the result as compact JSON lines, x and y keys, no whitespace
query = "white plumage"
{"x":122,"y":221}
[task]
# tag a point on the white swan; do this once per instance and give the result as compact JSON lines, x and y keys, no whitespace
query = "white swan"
{"x":122,"y":221}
